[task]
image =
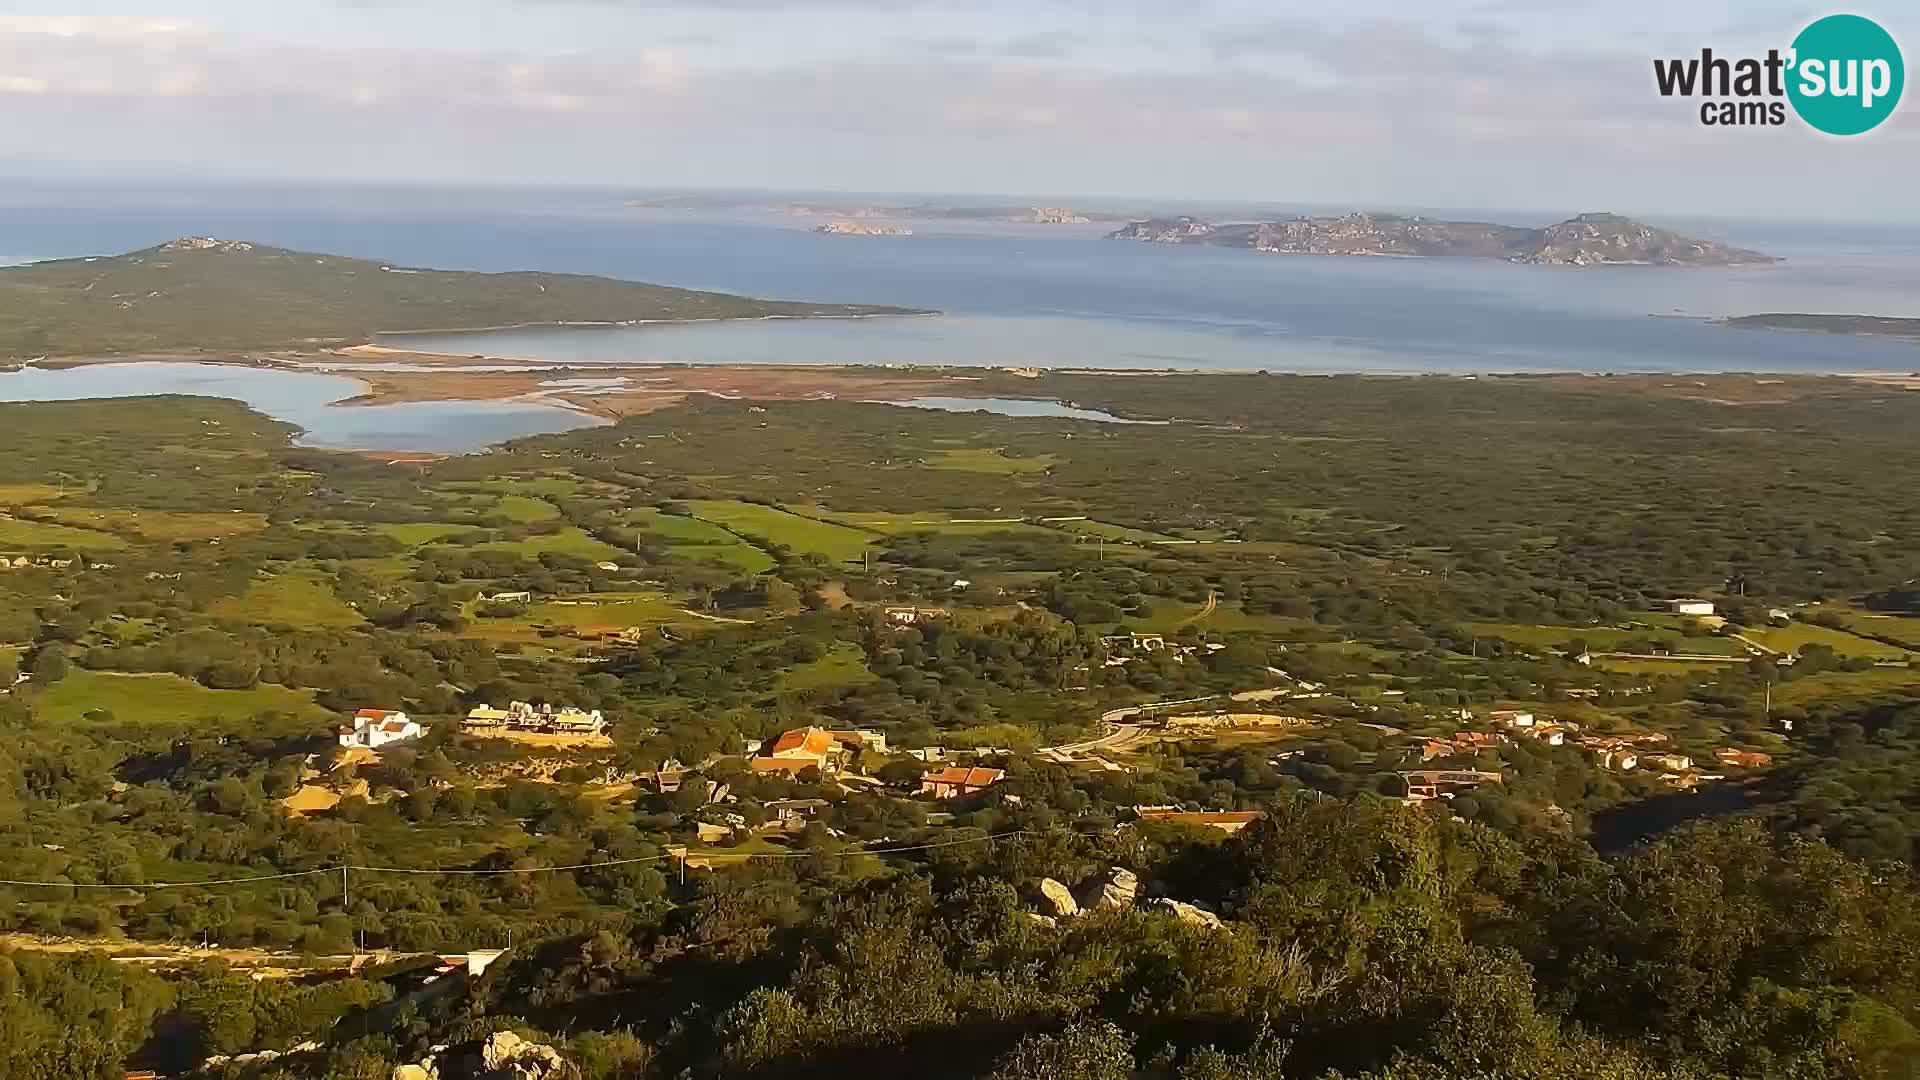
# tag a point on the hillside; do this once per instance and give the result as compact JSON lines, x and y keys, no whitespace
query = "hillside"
{"x":202,"y":294}
{"x":1586,"y":240}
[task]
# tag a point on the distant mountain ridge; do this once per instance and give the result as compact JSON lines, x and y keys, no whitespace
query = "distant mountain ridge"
{"x":202,"y":294}
{"x":1592,"y":239}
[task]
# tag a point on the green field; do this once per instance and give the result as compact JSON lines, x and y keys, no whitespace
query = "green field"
{"x":568,"y":541}
{"x":700,"y":541}
{"x":289,"y":599}
{"x":774,"y":526}
{"x":567,"y":614}
{"x":1110,"y":531}
{"x":22,"y":494}
{"x":988,"y":460}
{"x":16,"y":533}
{"x":896,"y":524}
{"x":1661,"y":667}
{"x":160,"y":524}
{"x":1902,"y":628}
{"x":415,"y":533}
{"x":165,"y":700}
{"x":1842,"y":685}
{"x":525,"y":508}
{"x":846,"y":665}
{"x":1793,"y":637}
{"x":1606,"y":638}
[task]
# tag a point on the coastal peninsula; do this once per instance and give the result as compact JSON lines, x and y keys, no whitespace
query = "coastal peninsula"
{"x":201,"y":295}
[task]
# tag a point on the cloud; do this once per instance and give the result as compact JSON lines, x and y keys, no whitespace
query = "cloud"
{"x":1360,"y":111}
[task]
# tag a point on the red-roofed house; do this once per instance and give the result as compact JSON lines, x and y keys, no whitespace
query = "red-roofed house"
{"x":1227,"y":821}
{"x":375,"y":728}
{"x":958,"y":780}
{"x":811,"y":746}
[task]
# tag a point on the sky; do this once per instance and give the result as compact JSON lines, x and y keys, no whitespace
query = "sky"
{"x":1516,"y":104}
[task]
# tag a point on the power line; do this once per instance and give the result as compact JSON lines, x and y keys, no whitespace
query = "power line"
{"x":173,"y":884}
{"x":344,"y":868}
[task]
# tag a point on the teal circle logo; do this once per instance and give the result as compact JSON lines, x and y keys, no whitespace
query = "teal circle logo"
{"x":1846,"y":75}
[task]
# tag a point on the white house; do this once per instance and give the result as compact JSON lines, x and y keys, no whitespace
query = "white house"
{"x":510,"y":598}
{"x":375,"y":728}
{"x":1513,"y":718}
{"x":1690,"y":606}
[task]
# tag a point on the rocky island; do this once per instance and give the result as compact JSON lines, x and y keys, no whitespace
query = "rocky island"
{"x":1594,"y":239}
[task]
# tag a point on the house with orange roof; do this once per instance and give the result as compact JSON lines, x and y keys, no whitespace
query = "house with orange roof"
{"x":798,"y":750}
{"x":373,"y":728}
{"x":956,"y":781}
{"x":1227,"y":821}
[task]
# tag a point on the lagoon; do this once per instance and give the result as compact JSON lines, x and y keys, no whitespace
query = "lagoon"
{"x":308,"y":400}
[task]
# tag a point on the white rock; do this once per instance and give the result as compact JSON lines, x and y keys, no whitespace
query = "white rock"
{"x":1061,"y":897}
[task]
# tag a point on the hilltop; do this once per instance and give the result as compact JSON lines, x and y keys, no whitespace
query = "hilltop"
{"x":1594,"y":239}
{"x":206,"y":294}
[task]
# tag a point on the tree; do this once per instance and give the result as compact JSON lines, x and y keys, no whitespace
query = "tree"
{"x":50,"y":663}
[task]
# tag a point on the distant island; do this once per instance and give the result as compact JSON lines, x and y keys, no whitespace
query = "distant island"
{"x":1586,"y":240}
{"x":1864,"y":325}
{"x":861,"y":228}
{"x":1009,"y":214}
{"x":202,"y":294}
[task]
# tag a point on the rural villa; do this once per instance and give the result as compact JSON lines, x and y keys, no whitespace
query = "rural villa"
{"x":520,"y":716}
{"x":375,"y":728}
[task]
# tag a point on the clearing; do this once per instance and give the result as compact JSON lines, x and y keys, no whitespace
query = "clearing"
{"x":15,"y":532}
{"x":166,"y":700}
{"x":161,"y":525}
{"x":302,"y":601}
{"x":988,"y":460}
{"x":771,"y":525}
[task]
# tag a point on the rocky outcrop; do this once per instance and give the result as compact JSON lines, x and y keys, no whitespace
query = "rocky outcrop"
{"x":1114,"y":889}
{"x":1187,"y":913}
{"x":503,"y":1056}
{"x":507,"y":1056}
{"x":1585,"y":240}
{"x":1060,"y":898}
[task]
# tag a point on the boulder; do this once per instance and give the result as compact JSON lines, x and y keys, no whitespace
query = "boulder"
{"x":1116,"y":889}
{"x":411,"y":1072}
{"x":1188,"y":913}
{"x":507,"y":1056}
{"x":1060,"y":897}
{"x":1043,"y":920}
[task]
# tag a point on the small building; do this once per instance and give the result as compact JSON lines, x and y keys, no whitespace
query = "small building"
{"x":1670,"y":762}
{"x":1690,"y":606}
{"x":610,"y":567}
{"x":812,"y":745}
{"x":1742,"y":759}
{"x":520,"y":597}
{"x":957,"y":781}
{"x":1227,"y":821}
{"x":1779,"y":615}
{"x":862,"y":739}
{"x":1513,"y":718}
{"x":484,"y":717}
{"x":375,"y":728}
{"x":1551,"y":734}
{"x":789,"y":811}
{"x":1619,"y":760}
{"x":910,"y":615}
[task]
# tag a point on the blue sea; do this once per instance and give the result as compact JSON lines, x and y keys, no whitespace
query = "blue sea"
{"x":1054,"y":296}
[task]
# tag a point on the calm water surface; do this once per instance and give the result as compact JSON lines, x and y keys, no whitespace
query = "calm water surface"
{"x":307,"y":400}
